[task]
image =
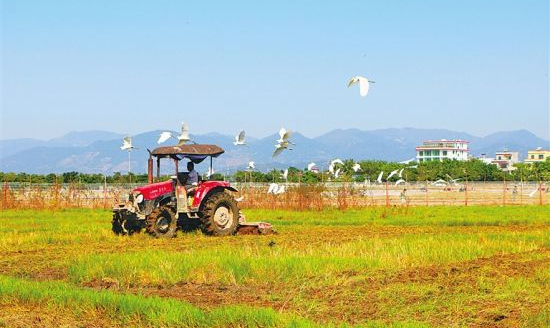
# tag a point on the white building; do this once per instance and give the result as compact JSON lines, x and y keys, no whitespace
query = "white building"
{"x":505,"y":160}
{"x":438,"y":150}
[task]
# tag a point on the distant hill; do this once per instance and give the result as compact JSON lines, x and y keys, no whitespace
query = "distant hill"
{"x":99,"y":152}
{"x":71,"y":139}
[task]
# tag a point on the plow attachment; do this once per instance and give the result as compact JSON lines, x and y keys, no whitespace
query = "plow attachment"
{"x":254,"y":228}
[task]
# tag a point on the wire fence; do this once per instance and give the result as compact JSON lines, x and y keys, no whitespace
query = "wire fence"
{"x":295,"y":196}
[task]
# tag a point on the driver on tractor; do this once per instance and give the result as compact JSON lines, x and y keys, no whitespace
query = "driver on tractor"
{"x":192,"y":179}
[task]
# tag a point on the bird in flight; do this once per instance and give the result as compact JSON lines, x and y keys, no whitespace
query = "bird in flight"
{"x":363,"y":84}
{"x":183,"y":138}
{"x":127,"y":144}
{"x":239,"y":139}
{"x":283,"y":142}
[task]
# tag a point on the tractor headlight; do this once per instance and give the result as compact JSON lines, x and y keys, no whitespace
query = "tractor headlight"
{"x":138,"y":199}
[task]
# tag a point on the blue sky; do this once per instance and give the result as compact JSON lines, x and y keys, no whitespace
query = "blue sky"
{"x":135,"y":66}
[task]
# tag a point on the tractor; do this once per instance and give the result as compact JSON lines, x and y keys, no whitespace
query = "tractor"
{"x":164,"y":207}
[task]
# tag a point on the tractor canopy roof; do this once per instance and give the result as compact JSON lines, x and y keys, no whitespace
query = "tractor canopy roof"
{"x":195,"y":152}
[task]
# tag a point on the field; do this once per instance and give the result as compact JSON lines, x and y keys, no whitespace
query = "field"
{"x":437,"y":266}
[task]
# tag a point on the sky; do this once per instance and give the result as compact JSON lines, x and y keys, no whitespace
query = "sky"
{"x":477,"y":66}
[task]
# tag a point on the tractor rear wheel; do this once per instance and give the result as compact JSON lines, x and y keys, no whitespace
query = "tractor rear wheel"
{"x":220,"y":215}
{"x":162,"y":222}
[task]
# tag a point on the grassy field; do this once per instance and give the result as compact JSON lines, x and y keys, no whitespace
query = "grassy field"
{"x":376,"y":267}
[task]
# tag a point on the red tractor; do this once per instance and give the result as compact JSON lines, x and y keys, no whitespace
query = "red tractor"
{"x":164,"y":207}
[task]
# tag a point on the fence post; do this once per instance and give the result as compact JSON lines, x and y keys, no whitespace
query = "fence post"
{"x":540,"y":192}
{"x":387,"y":195}
{"x":504,"y":192}
{"x":427,"y":201}
{"x":466,"y":192}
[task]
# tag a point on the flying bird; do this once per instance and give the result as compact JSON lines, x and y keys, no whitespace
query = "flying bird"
{"x":164,"y":136}
{"x":285,"y":174}
{"x":272,"y":188}
{"x":284,"y":135}
{"x":333,"y":163}
{"x":127,"y":144}
{"x":280,"y":190}
{"x":392,"y":173}
{"x":356,"y":167}
{"x":239,"y":139}
{"x":379,"y":180}
{"x":251,"y":166}
{"x":183,"y":138}
{"x":407,"y":161}
{"x":311,"y":167}
{"x":283,"y":142}
{"x":363,"y":84}
{"x":400,"y":181}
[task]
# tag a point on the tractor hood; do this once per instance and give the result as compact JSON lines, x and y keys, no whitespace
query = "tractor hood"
{"x":155,"y":190}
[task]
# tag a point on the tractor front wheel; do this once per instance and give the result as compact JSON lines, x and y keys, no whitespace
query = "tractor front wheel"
{"x":123,"y":224}
{"x":162,"y":222}
{"x":220,"y":215}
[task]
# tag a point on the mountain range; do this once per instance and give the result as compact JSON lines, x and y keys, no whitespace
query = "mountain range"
{"x":99,"y":151}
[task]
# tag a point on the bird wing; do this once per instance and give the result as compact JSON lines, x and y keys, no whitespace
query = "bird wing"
{"x":282,"y":133}
{"x":363,"y":86}
{"x":380,"y":177}
{"x":184,"y":136}
{"x":337,"y":173}
{"x":287,"y":135}
{"x":285,"y":174}
{"x":277,"y":151}
{"x":399,"y":181}
{"x":240,"y":137}
{"x":532,"y":193}
{"x":392,"y":173}
{"x":352,"y":81}
{"x":163,"y":137}
{"x":281,"y":189}
{"x":126,"y":143}
{"x":401,"y":173}
{"x":272,"y":188}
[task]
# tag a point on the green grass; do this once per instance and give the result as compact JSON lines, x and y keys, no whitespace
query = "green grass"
{"x":329,"y":268}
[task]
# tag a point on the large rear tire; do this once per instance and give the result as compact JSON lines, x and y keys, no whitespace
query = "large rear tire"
{"x":162,"y":222}
{"x":220,"y":215}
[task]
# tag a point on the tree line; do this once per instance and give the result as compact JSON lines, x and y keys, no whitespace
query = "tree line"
{"x":472,"y":170}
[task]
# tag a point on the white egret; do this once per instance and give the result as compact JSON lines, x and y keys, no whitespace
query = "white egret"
{"x":251,"y":166}
{"x":272,"y":188}
{"x":363,"y":84}
{"x":164,"y":136}
{"x":392,"y":173}
{"x":280,"y":190}
{"x":285,"y":174}
{"x":408,"y":161}
{"x":379,"y":180}
{"x":356,"y":167}
{"x":183,"y":138}
{"x":311,"y":166}
{"x":333,"y":163}
{"x":239,"y":139}
{"x":127,"y":145}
